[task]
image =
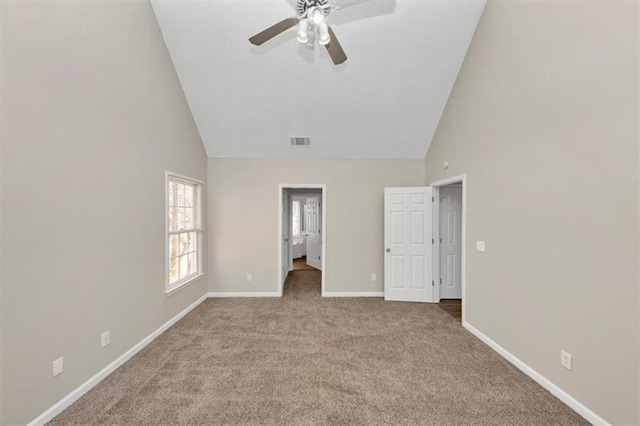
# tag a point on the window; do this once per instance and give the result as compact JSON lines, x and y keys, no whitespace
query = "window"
{"x":184,"y":231}
{"x":296,"y":218}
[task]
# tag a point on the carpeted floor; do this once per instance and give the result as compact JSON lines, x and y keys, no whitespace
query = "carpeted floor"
{"x":300,"y":264}
{"x":303,"y":359}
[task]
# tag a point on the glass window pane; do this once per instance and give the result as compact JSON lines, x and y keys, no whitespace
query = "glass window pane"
{"x":184,"y":243}
{"x":173,"y":270}
{"x":179,"y":211}
{"x":180,"y":194}
{"x":188,"y":218}
{"x":173,"y":194}
{"x":193,"y":242}
{"x":173,"y":245}
{"x":184,"y":267}
{"x":172,"y":191}
{"x":173,"y":219}
{"x":189,"y":196}
{"x":193,"y":265}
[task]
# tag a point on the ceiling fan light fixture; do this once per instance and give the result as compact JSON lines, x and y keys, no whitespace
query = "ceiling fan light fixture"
{"x":323,"y":34}
{"x":311,"y":23}
{"x":303,"y":31}
{"x":317,"y":15}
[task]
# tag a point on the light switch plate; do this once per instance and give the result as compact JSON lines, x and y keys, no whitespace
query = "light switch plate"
{"x":58,"y":366}
{"x":105,"y":338}
{"x":480,"y":245}
{"x":566,"y":360}
{"x":249,"y":277}
{"x":374,"y":277}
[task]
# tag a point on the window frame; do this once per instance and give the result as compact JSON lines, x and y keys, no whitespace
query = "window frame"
{"x":171,"y":288}
{"x":300,"y":231}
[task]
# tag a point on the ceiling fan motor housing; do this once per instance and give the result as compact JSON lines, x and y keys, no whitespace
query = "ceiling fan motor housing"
{"x":302,"y":6}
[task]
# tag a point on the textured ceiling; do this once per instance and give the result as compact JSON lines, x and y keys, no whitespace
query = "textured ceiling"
{"x":384,"y":102}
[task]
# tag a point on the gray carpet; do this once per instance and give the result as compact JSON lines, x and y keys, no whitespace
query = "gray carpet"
{"x":303,"y":359}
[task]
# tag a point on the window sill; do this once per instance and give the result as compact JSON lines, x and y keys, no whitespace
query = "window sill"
{"x":183,"y":285}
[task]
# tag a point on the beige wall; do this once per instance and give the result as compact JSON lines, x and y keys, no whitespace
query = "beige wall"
{"x":543,"y":120}
{"x":243,"y":219}
{"x":93,"y":115}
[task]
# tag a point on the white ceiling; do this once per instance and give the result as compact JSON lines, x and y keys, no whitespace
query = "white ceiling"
{"x":384,"y":102}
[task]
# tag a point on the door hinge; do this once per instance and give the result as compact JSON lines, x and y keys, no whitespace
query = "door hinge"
{"x":432,"y":241}
{"x":440,"y":280}
{"x":440,"y":240}
{"x":433,"y":199}
{"x":433,"y":283}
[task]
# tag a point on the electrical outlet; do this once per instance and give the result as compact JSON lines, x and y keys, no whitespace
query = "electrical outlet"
{"x":105,"y":338}
{"x":58,"y":366}
{"x":565,"y":359}
{"x":249,"y":277}
{"x":374,"y":277}
{"x":480,"y":245}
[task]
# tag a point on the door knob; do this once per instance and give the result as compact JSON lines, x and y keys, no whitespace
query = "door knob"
{"x":388,"y":250}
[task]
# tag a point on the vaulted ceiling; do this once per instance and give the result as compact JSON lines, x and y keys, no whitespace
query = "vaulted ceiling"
{"x":384,"y":102}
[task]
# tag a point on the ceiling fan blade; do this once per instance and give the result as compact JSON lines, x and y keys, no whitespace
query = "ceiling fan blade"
{"x":335,"y":50}
{"x":273,"y":31}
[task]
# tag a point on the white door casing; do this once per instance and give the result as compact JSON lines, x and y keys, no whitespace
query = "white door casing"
{"x":313,"y":231}
{"x":286,"y":256}
{"x":450,"y":243}
{"x":408,"y":262}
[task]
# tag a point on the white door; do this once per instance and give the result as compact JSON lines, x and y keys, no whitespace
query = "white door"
{"x":450,"y":243}
{"x":312,"y":228}
{"x":408,"y":214}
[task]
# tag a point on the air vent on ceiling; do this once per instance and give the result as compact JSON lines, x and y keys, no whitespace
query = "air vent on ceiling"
{"x":296,"y":141}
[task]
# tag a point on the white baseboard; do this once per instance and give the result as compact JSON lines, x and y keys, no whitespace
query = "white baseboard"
{"x":543,"y":381}
{"x":353,"y":294}
{"x":244,"y":294}
{"x":276,"y":294}
{"x":86,"y":386}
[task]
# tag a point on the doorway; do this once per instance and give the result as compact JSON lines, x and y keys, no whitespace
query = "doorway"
{"x":301,"y":236}
{"x":449,"y":251}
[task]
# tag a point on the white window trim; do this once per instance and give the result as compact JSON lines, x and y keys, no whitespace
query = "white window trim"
{"x":180,"y":284}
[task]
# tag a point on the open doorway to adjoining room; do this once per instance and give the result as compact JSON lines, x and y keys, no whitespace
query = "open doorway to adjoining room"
{"x":301,"y":245}
{"x":449,"y":256}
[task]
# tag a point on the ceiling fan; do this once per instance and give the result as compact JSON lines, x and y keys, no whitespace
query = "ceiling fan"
{"x":310,"y":20}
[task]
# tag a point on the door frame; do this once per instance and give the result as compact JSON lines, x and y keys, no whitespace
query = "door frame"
{"x":436,"y":236}
{"x":323,"y":230}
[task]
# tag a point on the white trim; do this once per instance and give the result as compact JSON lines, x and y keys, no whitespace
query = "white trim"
{"x":436,"y":247}
{"x":58,"y":407}
{"x":187,"y":179}
{"x":354,"y":294}
{"x":184,"y":284}
{"x":182,"y":231}
{"x":244,"y":294}
{"x":323,"y":187}
{"x":543,"y":381}
{"x":436,"y":230}
{"x":450,"y":180}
